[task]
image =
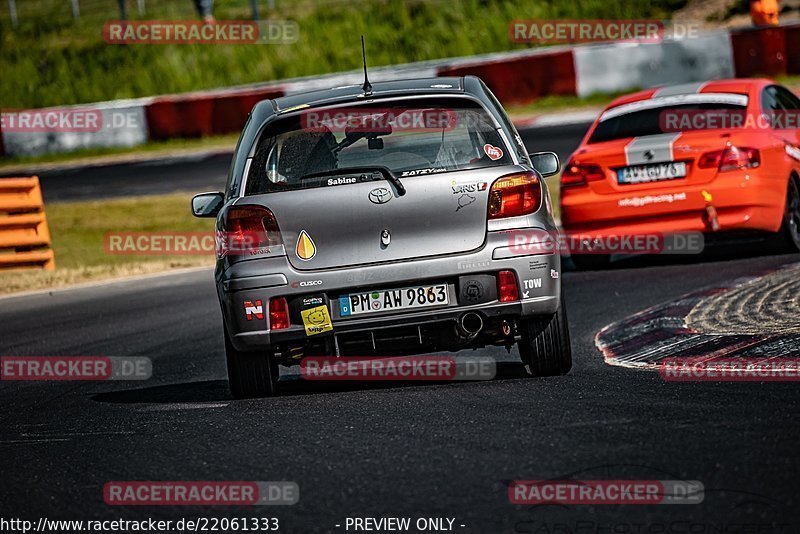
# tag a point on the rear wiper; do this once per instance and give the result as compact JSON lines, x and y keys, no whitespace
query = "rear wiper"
{"x":386,"y":172}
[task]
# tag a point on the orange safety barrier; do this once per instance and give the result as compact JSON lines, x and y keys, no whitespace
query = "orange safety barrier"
{"x":24,"y":236}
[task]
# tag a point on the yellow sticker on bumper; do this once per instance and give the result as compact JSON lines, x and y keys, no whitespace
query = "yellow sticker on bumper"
{"x":316,"y":320}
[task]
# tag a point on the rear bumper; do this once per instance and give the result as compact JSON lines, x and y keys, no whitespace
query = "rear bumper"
{"x":443,"y":318}
{"x":742,"y":201}
{"x":256,"y":281}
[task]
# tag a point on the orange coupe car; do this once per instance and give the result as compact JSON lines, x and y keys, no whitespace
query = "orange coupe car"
{"x":720,"y":156}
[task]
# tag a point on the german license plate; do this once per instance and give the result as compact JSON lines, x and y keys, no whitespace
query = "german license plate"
{"x":407,"y":298}
{"x":639,"y":174}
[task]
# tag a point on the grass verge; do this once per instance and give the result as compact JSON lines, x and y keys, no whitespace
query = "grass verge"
{"x":559,"y":103}
{"x":79,"y":229}
{"x":52,"y":59}
{"x":554,"y":188}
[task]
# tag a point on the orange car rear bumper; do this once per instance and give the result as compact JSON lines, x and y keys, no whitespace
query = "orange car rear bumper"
{"x":742,"y":201}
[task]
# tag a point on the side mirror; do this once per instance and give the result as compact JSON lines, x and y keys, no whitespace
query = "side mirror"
{"x":545,"y":162}
{"x":207,"y":204}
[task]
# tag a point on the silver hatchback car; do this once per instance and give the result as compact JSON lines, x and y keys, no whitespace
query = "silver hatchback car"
{"x":381,"y":221}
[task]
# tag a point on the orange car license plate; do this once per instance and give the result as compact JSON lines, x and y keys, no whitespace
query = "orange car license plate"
{"x":638,"y":174}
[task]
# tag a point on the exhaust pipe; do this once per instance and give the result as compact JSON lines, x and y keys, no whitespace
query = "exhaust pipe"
{"x":469,"y":325}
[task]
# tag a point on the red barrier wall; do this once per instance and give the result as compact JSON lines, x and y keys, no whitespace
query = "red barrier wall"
{"x":520,"y":80}
{"x":793,"y":49}
{"x":766,"y":51}
{"x":202,"y":114}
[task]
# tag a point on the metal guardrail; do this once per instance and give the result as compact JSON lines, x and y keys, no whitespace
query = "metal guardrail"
{"x":24,"y":235}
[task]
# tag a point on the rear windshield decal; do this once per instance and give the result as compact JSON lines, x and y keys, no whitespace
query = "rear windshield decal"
{"x":342,"y":180}
{"x":493,"y":152}
{"x":417,"y":172}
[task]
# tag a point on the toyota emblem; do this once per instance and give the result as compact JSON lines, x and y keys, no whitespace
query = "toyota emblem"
{"x":380,"y":195}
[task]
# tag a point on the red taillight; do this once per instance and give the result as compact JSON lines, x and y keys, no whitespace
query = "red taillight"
{"x":278,"y":314}
{"x":579,"y":174}
{"x":507,"y":289}
{"x":730,"y":159}
{"x":513,"y":195}
{"x":710,"y":160}
{"x":249,"y":228}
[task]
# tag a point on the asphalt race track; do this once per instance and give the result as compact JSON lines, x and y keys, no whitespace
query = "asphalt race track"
{"x":195,"y":174}
{"x":208,"y":172}
{"x":432,"y":450}
{"x":418,"y":450}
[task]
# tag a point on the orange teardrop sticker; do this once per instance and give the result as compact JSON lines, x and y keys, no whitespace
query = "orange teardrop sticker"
{"x":305,"y":246}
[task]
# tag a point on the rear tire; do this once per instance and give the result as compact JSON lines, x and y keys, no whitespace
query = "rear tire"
{"x":545,"y":346}
{"x":590,"y":262}
{"x":250,"y":374}
{"x":790,"y":228}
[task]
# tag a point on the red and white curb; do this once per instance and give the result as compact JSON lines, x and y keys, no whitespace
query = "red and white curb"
{"x":660,"y":335}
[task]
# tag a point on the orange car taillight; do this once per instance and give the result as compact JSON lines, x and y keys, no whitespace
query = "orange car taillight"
{"x":730,"y":159}
{"x":515,"y":194}
{"x":579,"y":174}
{"x":278,"y":314}
{"x":250,"y":227}
{"x":507,"y":289}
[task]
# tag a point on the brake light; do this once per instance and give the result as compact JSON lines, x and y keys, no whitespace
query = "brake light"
{"x":278,"y":314}
{"x":250,"y":227}
{"x":507,"y":289}
{"x":579,"y":174}
{"x":514,"y":195}
{"x":730,"y":158}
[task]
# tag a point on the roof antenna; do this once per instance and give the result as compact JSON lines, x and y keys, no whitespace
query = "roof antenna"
{"x":367,"y":87}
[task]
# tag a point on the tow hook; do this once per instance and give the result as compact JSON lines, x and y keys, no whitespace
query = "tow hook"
{"x":711,"y":211}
